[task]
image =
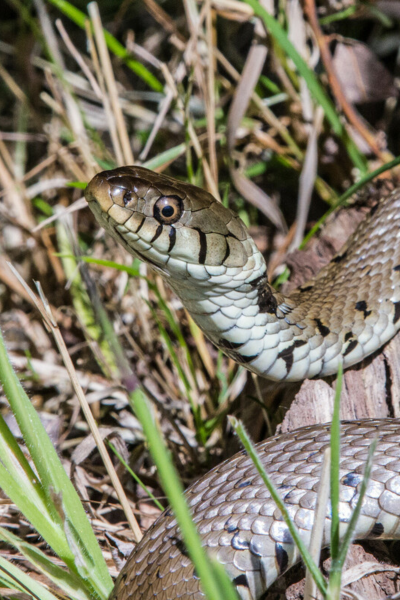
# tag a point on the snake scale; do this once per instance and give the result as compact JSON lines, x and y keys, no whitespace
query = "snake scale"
{"x":349,"y":310}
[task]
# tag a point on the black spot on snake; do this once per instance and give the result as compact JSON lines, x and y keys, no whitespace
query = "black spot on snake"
{"x":348,"y":336}
{"x":362,"y":306}
{"x":157,"y":234}
{"x":396,"y":312}
{"x":180,"y":544}
{"x":306,"y":288}
{"x":243,"y":484}
{"x":241,"y":580}
{"x":351,"y":479}
{"x":172,"y":238}
{"x":281,"y":558}
{"x":140,"y":226}
{"x":350,"y":347}
{"x":229,"y":345}
{"x":239,"y":543}
{"x":267,"y":302}
{"x":230,"y":527}
{"x":288,"y":496}
{"x":396,"y":268}
{"x":323,"y":329}
{"x":339,"y":257}
{"x":377,"y":530}
{"x":203,"y":245}
{"x":287,"y":353}
{"x":240,"y":358}
{"x":227,"y":252}
{"x":168,"y":513}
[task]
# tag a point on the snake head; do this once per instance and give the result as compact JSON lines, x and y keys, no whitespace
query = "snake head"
{"x":174,"y":226}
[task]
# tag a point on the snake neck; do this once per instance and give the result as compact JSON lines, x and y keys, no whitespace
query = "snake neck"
{"x":239,"y":311}
{"x":328,"y":321}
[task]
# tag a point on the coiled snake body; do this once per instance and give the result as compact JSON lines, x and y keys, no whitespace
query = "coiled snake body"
{"x":349,"y":310}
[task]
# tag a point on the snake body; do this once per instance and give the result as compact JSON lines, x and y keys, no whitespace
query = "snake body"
{"x":349,"y":310}
{"x":204,"y":251}
{"x":240,"y":525}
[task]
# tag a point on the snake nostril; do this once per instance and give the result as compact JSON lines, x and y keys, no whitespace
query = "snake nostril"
{"x":127,"y":198}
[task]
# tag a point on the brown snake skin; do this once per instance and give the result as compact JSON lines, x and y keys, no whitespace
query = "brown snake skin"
{"x":205,"y":253}
{"x":345,"y":313}
{"x":241,"y":526}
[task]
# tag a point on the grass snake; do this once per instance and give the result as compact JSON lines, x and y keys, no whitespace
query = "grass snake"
{"x":348,"y":311}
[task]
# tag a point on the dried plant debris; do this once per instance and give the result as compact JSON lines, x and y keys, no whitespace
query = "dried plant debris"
{"x":359,"y":71}
{"x":276,"y":115}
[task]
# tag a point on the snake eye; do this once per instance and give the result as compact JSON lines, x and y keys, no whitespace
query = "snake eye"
{"x":168,"y":209}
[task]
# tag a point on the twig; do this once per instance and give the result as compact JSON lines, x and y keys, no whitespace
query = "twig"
{"x":93,"y":10}
{"x":210,"y":95}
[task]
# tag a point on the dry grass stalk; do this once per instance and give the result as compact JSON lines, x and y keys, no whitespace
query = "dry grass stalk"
{"x":44,"y":308}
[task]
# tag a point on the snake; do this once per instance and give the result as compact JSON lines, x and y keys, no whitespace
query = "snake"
{"x":349,"y":310}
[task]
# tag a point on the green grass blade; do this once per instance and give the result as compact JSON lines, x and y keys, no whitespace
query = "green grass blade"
{"x":168,"y":314}
{"x":65,"y":580}
{"x":200,"y":430}
{"x":14,"y":578}
{"x":79,"y":18}
{"x":84,"y":308}
{"x":252,"y":452}
{"x":211,"y":583}
{"x":340,"y":15}
{"x":174,"y":327}
{"x":132,"y":272}
{"x":165,"y":157}
{"x":356,"y":512}
{"x":56,"y":484}
{"x":79,"y":185}
{"x":154,"y":163}
{"x":335,"y":573}
{"x":174,"y":358}
{"x":335,"y":466}
{"x":278,"y":33}
{"x":135,"y":477}
{"x":37,"y":511}
{"x":13,"y":458}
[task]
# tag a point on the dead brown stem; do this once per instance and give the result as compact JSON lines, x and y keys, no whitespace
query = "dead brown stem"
{"x":349,"y":111}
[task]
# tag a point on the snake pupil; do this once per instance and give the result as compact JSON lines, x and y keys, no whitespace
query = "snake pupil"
{"x":167,"y":211}
{"x":127,"y":198}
